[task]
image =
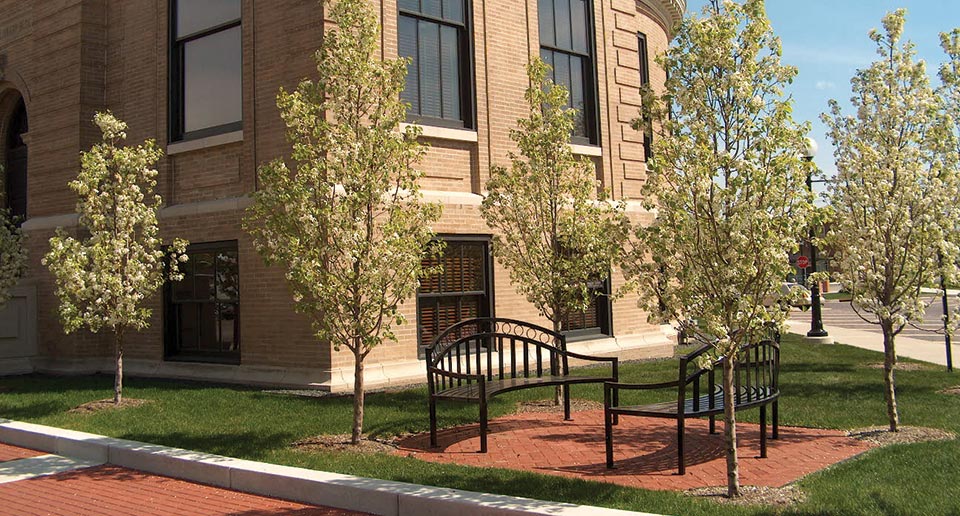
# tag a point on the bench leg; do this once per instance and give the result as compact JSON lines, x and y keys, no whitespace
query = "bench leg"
{"x":776,"y":420}
{"x":433,"y":422}
{"x":682,"y":470}
{"x":616,"y":403}
{"x":483,"y":425}
{"x":713,"y":425}
{"x":566,"y":402}
{"x":608,"y":437}
{"x":763,"y":431}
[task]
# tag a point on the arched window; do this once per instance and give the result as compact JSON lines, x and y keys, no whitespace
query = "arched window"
{"x":15,"y":182}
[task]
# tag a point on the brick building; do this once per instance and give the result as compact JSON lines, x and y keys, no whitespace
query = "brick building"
{"x":200,"y":77}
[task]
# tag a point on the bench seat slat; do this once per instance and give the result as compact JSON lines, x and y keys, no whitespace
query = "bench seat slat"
{"x":669,"y":408}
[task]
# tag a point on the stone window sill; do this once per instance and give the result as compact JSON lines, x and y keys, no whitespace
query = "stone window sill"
{"x":204,"y":143}
{"x":445,"y":133}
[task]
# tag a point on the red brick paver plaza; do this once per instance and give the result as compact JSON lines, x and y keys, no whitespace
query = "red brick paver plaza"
{"x":644,"y":450}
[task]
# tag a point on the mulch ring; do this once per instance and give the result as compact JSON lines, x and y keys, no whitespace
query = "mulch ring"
{"x":882,"y":436}
{"x":100,"y":405}
{"x":341,"y":443}
{"x":955,"y":390}
{"x":752,"y":495}
{"x":548,"y":406}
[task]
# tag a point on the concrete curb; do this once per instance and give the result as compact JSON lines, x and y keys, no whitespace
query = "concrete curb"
{"x":382,"y":497}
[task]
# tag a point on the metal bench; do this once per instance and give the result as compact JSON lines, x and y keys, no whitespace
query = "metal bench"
{"x":756,"y":384}
{"x":477,"y":359}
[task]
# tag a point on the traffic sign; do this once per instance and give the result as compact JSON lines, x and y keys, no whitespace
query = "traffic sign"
{"x":803,"y":262}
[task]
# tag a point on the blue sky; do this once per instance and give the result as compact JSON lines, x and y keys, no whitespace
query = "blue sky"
{"x":827,"y":41}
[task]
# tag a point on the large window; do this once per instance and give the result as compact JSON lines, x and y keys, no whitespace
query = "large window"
{"x":435,"y":36}
{"x":461,"y":292}
{"x":15,"y":180}
{"x":596,"y":319}
{"x":205,"y":68}
{"x":566,"y":44}
{"x":202,"y":320}
{"x":644,"y":82}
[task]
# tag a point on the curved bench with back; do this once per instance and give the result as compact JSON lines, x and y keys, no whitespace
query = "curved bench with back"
{"x":477,"y":359}
{"x":756,"y":384}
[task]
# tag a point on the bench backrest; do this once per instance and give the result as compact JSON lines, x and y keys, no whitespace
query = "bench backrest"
{"x":495,"y":348}
{"x":756,"y":376}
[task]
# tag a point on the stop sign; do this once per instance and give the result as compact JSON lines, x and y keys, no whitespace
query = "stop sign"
{"x":803,"y":262}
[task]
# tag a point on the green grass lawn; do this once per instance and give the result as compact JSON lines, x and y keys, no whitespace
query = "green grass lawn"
{"x":823,"y":386}
{"x":842,"y":296}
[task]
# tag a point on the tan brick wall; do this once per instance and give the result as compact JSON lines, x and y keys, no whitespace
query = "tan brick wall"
{"x":71,"y":58}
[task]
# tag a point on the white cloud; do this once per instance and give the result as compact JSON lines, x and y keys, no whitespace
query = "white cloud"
{"x":825,"y":85}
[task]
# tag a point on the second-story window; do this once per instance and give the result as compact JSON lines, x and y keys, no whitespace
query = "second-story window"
{"x":205,"y":68}
{"x":566,"y":44}
{"x":435,"y":36}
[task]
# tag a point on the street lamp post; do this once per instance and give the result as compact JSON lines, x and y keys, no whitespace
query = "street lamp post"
{"x":816,"y":319}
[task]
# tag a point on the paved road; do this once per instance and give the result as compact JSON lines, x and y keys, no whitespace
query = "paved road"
{"x":924,"y":342}
{"x":841,"y":314}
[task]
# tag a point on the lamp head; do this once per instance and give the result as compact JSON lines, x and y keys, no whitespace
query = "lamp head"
{"x":809,"y":149}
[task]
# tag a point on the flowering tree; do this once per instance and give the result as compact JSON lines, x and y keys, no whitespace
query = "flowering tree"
{"x":554,"y":229}
{"x":348,"y":223}
{"x":727,"y":186}
{"x":13,"y":257}
{"x":893,"y":192}
{"x":104,"y":277}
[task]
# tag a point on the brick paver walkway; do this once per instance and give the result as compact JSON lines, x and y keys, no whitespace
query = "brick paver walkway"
{"x":644,"y":450}
{"x":111,"y":490}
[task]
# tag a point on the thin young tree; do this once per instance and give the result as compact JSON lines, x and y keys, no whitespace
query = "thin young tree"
{"x":348,"y":222}
{"x":106,"y":275}
{"x":949,"y":92}
{"x":554,"y":228}
{"x":13,"y":256}
{"x":894,"y":192}
{"x":727,"y":186}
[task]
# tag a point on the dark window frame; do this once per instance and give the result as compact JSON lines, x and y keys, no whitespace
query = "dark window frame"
{"x":591,"y":91}
{"x":171,"y":353}
{"x":644,"y":56}
{"x":465,"y":48}
{"x":177,"y":84}
{"x":487,"y":309}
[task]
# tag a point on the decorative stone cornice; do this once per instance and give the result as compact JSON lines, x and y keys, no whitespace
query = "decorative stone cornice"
{"x":670,"y":12}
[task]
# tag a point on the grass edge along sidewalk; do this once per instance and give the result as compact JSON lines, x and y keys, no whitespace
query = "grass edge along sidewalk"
{"x":824,"y":386}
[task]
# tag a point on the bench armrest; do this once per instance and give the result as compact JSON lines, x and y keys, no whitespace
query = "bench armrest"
{"x":451,"y":374}
{"x":639,"y":386}
{"x":591,"y":358}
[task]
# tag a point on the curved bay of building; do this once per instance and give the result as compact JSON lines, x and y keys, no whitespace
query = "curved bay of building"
{"x":201,"y":79}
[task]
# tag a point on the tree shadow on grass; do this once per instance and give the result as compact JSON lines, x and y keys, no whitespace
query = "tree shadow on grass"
{"x":32,"y":410}
{"x":244,"y":445}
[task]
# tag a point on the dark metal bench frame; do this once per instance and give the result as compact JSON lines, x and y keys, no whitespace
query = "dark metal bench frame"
{"x":756,"y":382}
{"x":477,"y":359}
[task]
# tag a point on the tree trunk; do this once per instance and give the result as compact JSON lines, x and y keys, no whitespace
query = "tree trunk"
{"x":730,"y":428}
{"x":357,"y":395}
{"x":889,"y":362}
{"x":118,"y":375}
